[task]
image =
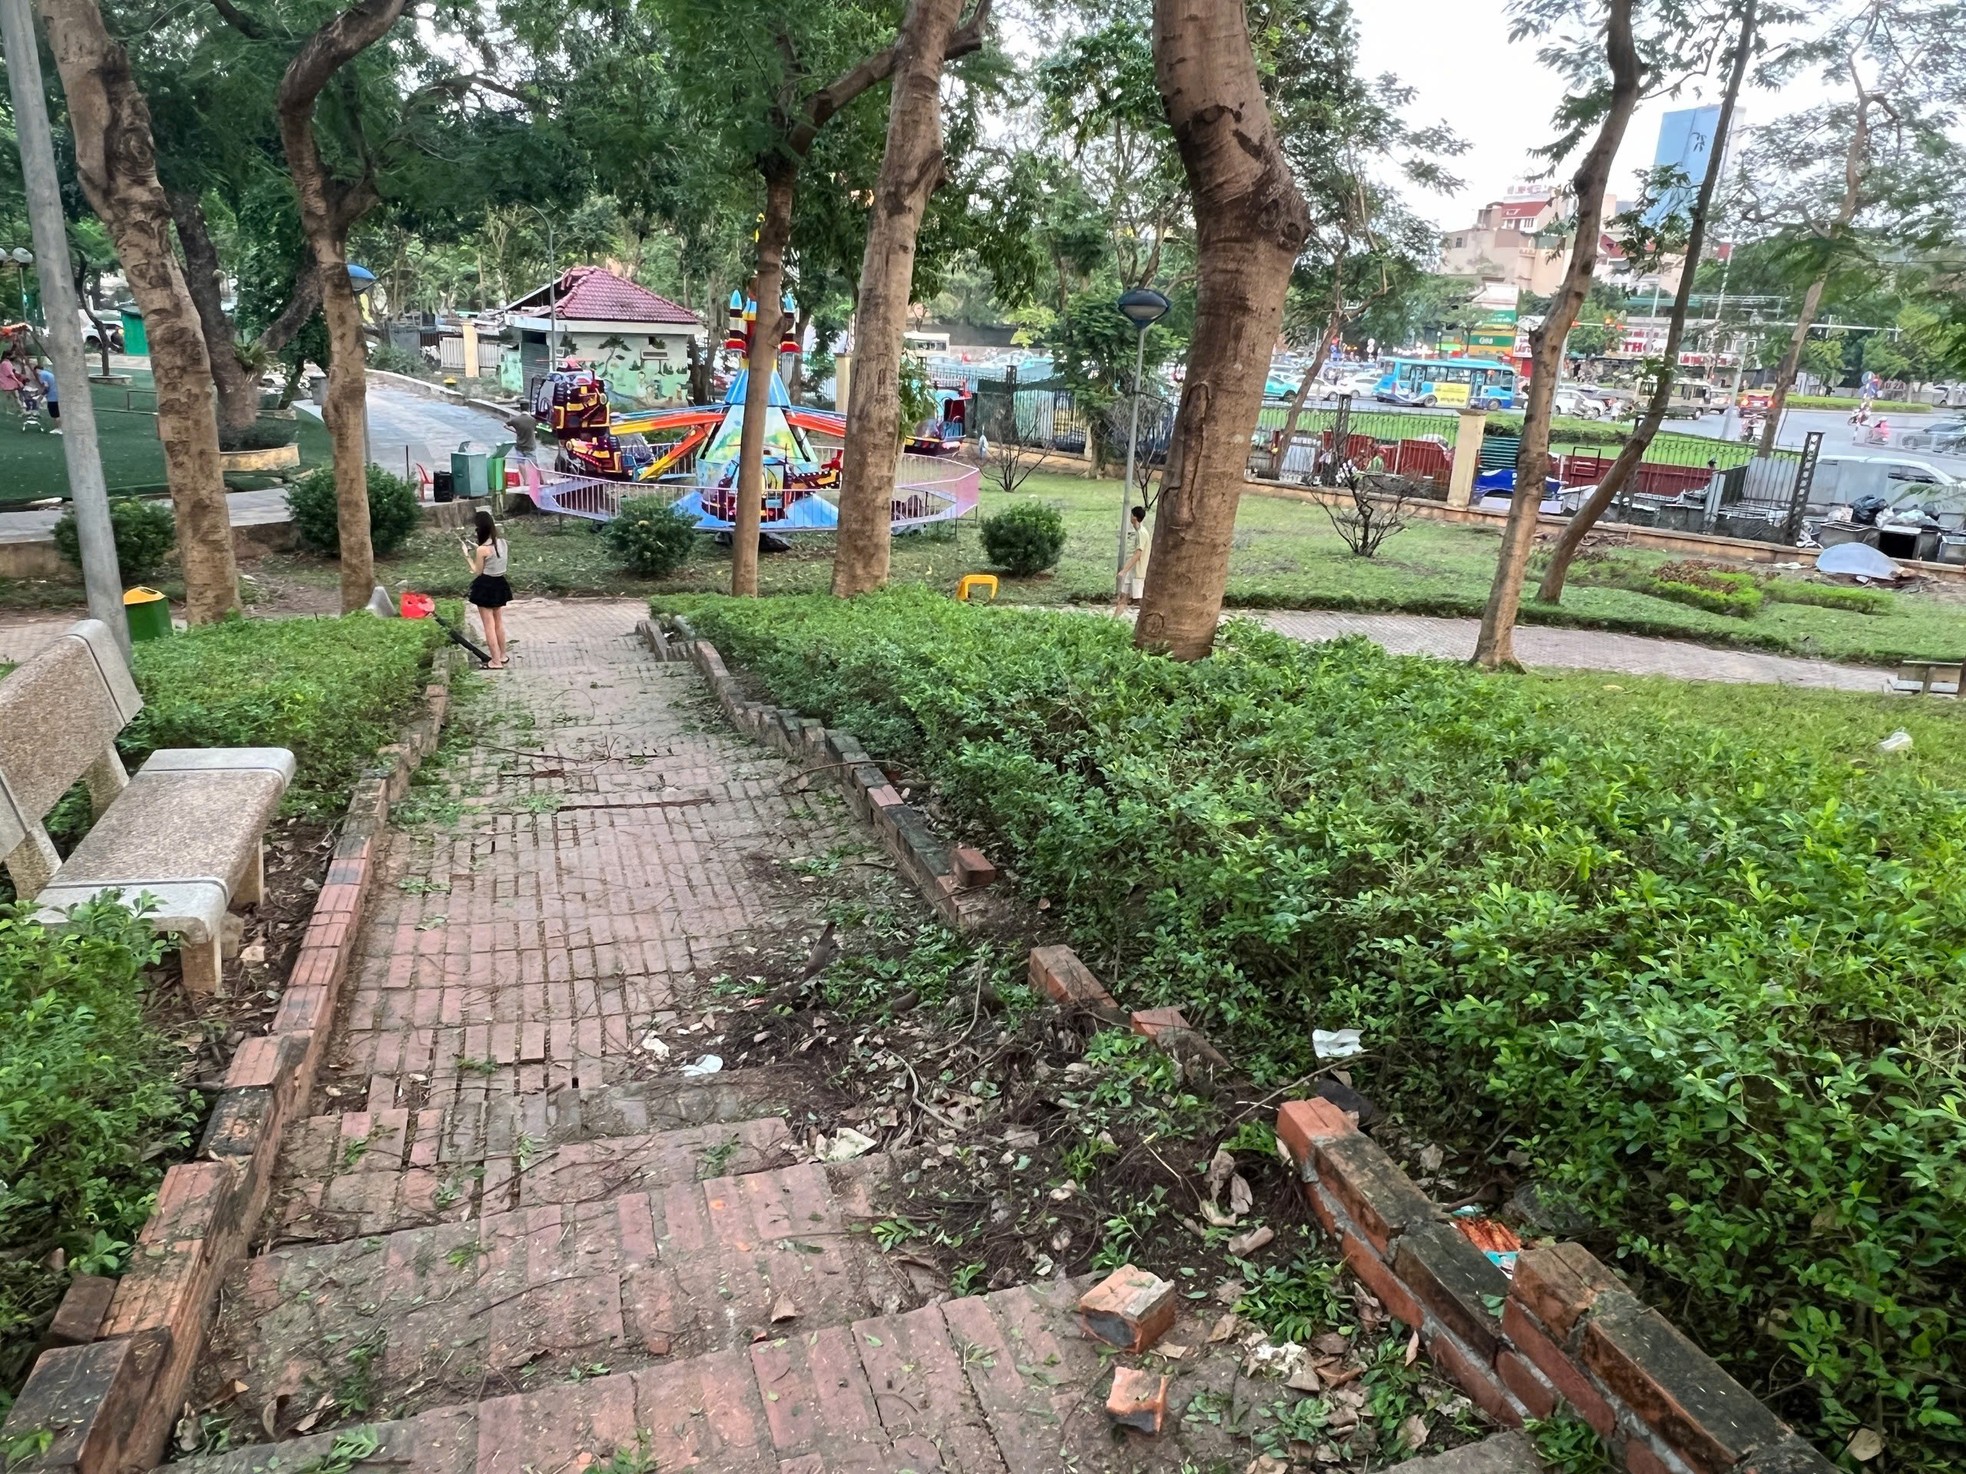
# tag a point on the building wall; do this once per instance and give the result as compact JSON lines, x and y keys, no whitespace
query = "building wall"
{"x":644,"y":367}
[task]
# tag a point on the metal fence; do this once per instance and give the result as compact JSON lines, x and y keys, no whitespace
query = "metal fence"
{"x":1044,"y":416}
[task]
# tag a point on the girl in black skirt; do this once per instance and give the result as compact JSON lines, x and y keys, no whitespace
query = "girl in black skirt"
{"x":491,"y":591}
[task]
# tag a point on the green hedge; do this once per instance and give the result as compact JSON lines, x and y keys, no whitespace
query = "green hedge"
{"x":1711,"y":987}
{"x":332,"y":690}
{"x":89,"y":1107}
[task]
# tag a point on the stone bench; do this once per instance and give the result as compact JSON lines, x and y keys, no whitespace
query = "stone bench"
{"x":185,"y":835}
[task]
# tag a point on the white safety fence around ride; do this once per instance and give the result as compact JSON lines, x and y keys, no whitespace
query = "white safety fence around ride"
{"x":926,"y":489}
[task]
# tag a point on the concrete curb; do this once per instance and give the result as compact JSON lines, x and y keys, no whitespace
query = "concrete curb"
{"x":955,"y":881}
{"x":109,"y":1400}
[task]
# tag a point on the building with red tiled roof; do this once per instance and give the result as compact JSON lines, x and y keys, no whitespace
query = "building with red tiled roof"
{"x":590,"y":314}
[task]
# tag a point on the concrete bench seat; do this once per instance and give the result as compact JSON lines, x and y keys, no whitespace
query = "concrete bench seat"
{"x":185,"y":835}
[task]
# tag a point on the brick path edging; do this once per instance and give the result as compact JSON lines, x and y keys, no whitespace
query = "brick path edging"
{"x":110,"y":1397}
{"x":953,"y":879}
{"x":1563,"y":1328}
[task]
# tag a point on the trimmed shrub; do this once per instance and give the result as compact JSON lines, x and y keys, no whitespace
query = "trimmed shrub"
{"x":1827,"y":596}
{"x":332,"y":690}
{"x":89,"y":1103}
{"x":651,"y":536}
{"x":1706,"y":982}
{"x":393,"y":511}
{"x":1025,"y":539}
{"x":393,"y":360}
{"x":263,"y":434}
{"x":145,"y":533}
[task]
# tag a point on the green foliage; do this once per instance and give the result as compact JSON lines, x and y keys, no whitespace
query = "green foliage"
{"x":87,"y":1101}
{"x":393,"y":511}
{"x":145,"y":533}
{"x":1566,"y":1444}
{"x":1705,"y":977}
{"x":393,"y":360}
{"x":650,"y":536}
{"x":1025,"y":539}
{"x":262,"y":434}
{"x":331,"y":690}
{"x":1827,"y":596}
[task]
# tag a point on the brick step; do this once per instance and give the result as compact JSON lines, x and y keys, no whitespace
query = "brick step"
{"x":393,"y":1323}
{"x":995,"y":1384}
{"x":1500,"y":1453}
{"x":367,"y":1172}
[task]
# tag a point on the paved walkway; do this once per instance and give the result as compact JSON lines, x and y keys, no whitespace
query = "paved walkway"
{"x":512,"y":1238}
{"x":1579,"y":649}
{"x":406,"y":430}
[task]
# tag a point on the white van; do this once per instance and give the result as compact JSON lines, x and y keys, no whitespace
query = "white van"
{"x":1841,"y":480}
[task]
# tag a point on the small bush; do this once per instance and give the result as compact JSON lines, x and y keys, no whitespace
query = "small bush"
{"x":393,"y":511}
{"x":1026,"y":539}
{"x":87,"y":1100}
{"x":651,"y":536}
{"x":331,"y":690}
{"x":1827,"y":596}
{"x":266,"y":434}
{"x":393,"y":360}
{"x":145,"y":533}
{"x":1736,"y":603}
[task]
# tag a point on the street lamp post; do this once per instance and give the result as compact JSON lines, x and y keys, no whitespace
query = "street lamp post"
{"x":101,"y":577}
{"x":1143,"y":308}
{"x":552,"y":292}
{"x":22,"y":259}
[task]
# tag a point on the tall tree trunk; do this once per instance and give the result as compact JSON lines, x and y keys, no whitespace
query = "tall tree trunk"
{"x":325,"y":211}
{"x":1495,"y":648}
{"x":116,"y":160}
{"x":1812,"y":299}
{"x":911,"y":170}
{"x":768,"y":288}
{"x":1250,"y":223}
{"x":238,"y":386}
{"x":1579,"y":526}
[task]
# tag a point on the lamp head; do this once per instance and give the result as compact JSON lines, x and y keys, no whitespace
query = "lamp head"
{"x":22,"y":255}
{"x":1143,"y":307}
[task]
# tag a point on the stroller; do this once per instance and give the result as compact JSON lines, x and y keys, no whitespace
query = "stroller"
{"x":28,"y":393}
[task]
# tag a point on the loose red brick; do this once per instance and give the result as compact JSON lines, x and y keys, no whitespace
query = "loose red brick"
{"x":1301,"y":1124}
{"x":1152,"y":1022}
{"x":1138,"y":1400}
{"x":1364,"y":1261}
{"x":1130,"y":1309}
{"x":1557,"y":1367}
{"x":256,"y":1062}
{"x":84,"y":1306}
{"x":1068,"y":982}
{"x":1708,"y":1418}
{"x":1368,"y":1184}
{"x":972,"y":869}
{"x":883,"y":797}
{"x":92,"y":1398}
{"x":1559,"y":1284}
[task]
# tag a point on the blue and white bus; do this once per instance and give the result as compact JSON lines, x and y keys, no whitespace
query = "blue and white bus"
{"x":1470,"y":383}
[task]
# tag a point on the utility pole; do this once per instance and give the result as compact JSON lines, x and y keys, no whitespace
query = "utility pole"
{"x":86,"y":489}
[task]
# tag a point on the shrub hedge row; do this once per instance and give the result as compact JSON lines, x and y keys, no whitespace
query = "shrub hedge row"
{"x":1713,"y":989}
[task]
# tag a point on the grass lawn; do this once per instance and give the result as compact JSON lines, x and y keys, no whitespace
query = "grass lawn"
{"x":1285,"y":556}
{"x":32,"y":464}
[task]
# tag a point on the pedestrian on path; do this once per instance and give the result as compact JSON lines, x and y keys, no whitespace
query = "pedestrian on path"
{"x":1133,"y":574}
{"x":53,"y":393}
{"x":491,"y":590}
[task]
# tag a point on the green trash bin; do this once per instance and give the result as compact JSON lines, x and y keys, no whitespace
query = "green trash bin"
{"x":469,"y":471}
{"x":495,"y":473}
{"x":148,"y":614}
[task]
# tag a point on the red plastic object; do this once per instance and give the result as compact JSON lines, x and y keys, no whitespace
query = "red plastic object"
{"x":418,"y":606}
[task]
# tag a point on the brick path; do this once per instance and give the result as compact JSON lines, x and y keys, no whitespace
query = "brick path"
{"x":508,"y":1240}
{"x":1578,"y":649}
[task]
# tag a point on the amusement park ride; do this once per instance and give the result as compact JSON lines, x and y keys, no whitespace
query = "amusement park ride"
{"x":692,"y":451}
